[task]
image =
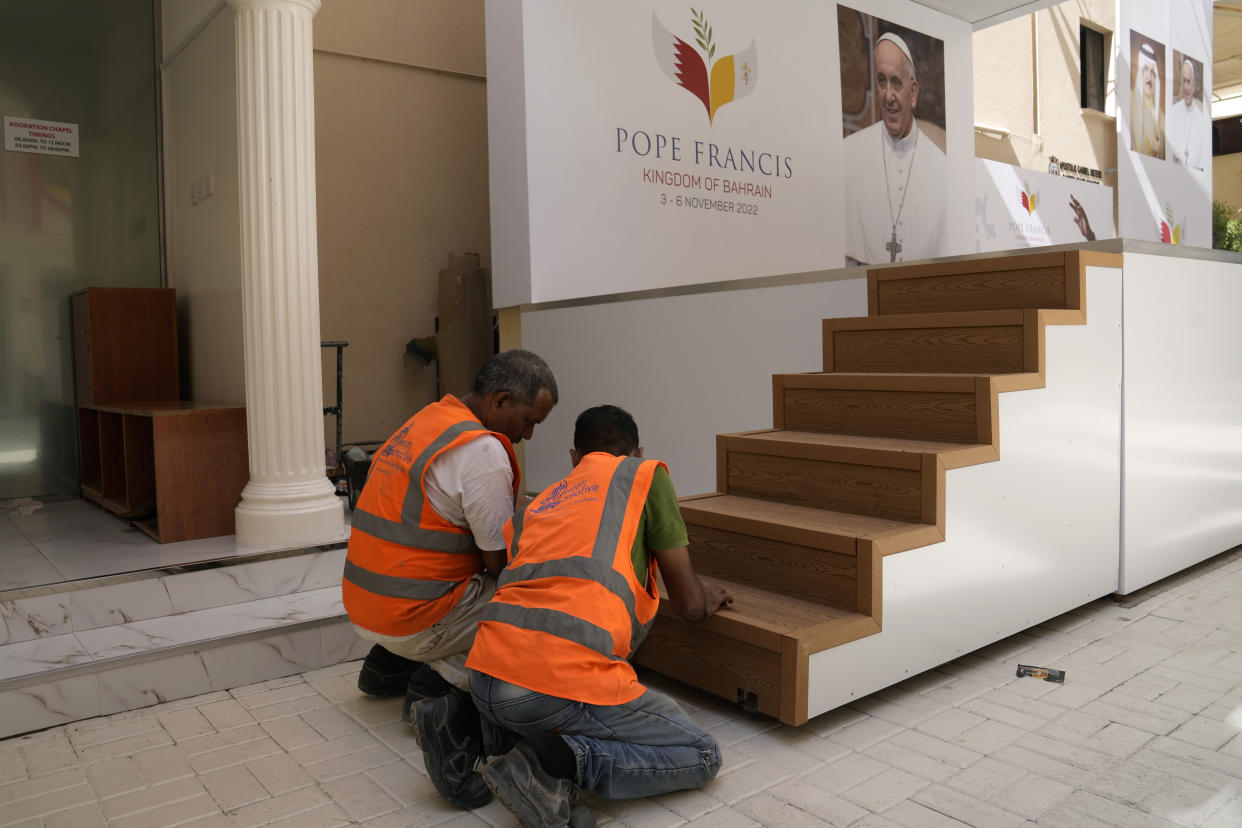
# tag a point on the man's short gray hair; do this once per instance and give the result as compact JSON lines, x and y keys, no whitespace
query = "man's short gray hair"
{"x":522,"y":373}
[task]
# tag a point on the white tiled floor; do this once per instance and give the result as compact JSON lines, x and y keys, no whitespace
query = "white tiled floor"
{"x":1144,"y":732}
{"x":48,"y":543}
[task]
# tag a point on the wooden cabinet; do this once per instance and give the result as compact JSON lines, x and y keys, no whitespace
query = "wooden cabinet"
{"x":177,"y":469}
{"x":125,"y":345}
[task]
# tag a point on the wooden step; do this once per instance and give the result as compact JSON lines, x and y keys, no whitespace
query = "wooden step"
{"x":806,"y":553}
{"x":756,"y":651}
{"x":805,"y":526}
{"x":1037,"y":280}
{"x":947,"y":407}
{"x":817,"y":470}
{"x":971,"y":342}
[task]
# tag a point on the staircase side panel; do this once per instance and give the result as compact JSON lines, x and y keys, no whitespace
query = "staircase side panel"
{"x":687,"y":367}
{"x":1183,"y":415}
{"x":1027,"y":538}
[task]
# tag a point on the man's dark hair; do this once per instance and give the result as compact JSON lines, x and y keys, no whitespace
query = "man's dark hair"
{"x":605,"y":428}
{"x":522,"y":373}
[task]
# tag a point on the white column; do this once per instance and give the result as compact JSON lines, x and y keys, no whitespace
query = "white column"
{"x":288,"y":501}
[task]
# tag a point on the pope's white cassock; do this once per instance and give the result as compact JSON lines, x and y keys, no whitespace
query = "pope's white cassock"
{"x":1186,"y":134}
{"x":911,"y":205}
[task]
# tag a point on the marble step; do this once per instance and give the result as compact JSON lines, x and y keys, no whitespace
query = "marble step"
{"x":76,"y":606}
{"x":100,"y":648}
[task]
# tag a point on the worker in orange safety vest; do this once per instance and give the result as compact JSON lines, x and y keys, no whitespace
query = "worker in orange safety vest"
{"x":426,"y":540}
{"x":551,"y":659}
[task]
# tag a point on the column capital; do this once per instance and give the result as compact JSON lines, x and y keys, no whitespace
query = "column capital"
{"x":311,"y":6}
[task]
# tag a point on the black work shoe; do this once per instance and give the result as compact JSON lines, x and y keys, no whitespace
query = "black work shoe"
{"x":534,"y":797}
{"x":425,"y":683}
{"x":450,"y":750}
{"x":581,"y":816}
{"x":384,"y":673}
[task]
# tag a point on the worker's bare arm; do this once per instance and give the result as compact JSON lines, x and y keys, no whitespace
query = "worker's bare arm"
{"x":690,"y":598}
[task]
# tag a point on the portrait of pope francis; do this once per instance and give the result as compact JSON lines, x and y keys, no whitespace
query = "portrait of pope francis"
{"x":894,"y":171}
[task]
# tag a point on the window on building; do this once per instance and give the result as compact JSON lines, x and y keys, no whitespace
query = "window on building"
{"x":1093,"y":68}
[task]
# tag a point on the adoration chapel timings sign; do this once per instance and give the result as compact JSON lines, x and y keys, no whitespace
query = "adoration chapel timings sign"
{"x":41,"y":137}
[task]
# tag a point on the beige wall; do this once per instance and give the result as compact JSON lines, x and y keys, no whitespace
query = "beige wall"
{"x":401,"y":134}
{"x":1027,"y":83}
{"x":1227,"y":178}
{"x":204,"y":239}
{"x":401,"y":147}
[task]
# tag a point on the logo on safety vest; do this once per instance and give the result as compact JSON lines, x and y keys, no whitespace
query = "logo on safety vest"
{"x":562,"y":495}
{"x":397,"y":446}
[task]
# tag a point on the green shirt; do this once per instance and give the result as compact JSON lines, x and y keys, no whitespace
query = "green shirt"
{"x":660,"y":526}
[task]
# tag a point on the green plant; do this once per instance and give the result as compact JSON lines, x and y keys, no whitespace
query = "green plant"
{"x":1226,"y":226}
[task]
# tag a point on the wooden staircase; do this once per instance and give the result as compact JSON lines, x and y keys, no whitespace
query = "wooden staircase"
{"x":854,"y":467}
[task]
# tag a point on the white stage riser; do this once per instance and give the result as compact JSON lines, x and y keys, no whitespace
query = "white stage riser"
{"x":1153,"y":379}
{"x":1183,"y":415}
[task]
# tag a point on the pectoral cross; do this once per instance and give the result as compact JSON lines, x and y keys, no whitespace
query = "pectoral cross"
{"x":893,"y":247}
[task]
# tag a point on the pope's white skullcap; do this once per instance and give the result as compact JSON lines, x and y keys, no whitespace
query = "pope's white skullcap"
{"x":899,"y":43}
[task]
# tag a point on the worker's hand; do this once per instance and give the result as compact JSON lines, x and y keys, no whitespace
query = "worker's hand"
{"x":715,"y":597}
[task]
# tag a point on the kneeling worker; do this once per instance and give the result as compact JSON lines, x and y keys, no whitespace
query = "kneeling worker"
{"x":427,"y":534}
{"x":551,"y":658}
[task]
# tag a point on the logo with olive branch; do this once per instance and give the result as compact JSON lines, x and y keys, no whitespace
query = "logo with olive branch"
{"x":728,"y":79}
{"x":1027,"y":198}
{"x":1170,"y":233}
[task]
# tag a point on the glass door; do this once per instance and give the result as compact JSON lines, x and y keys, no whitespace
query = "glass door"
{"x":79,"y":207}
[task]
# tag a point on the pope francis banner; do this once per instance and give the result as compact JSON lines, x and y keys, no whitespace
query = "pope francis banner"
{"x":638,"y":146}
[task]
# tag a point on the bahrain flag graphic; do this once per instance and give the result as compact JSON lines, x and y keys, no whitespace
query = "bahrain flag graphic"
{"x":731,"y":77}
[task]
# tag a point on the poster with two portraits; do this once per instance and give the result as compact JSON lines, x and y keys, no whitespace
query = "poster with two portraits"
{"x":1164,"y":121}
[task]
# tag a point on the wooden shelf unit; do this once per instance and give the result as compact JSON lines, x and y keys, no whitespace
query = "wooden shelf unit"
{"x":176,"y":468}
{"x":124,"y":345}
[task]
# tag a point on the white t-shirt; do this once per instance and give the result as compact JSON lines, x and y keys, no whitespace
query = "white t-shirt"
{"x":471,"y":486}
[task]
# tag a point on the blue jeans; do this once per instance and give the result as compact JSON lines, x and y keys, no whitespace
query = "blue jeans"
{"x":642,"y":748}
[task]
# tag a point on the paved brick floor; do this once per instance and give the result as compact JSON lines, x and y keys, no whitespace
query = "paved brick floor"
{"x":1144,"y":732}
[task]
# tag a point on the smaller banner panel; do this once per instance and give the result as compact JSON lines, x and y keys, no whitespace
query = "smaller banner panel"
{"x":1164,"y":121}
{"x":1016,"y":207}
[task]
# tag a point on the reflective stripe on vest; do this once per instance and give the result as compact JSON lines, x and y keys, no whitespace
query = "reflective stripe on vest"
{"x":407,"y":531}
{"x":555,"y":622}
{"x":393,"y":586}
{"x":599,"y":568}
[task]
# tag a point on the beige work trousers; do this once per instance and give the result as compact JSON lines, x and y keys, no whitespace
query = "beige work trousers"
{"x":445,"y":644}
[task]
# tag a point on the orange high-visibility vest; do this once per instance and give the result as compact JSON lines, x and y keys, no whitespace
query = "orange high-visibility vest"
{"x":569,"y":611}
{"x":407,"y":566}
